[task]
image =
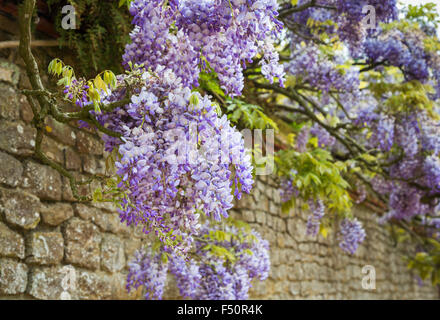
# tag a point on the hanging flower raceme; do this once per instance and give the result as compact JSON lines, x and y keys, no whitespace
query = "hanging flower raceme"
{"x":225,"y":261}
{"x":190,"y":34}
{"x":178,"y":158}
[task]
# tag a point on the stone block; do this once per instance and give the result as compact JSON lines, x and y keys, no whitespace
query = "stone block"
{"x":112,"y":253}
{"x":9,"y":73}
{"x":56,"y":213}
{"x":13,"y":277}
{"x":11,"y":170}
{"x":11,"y":243}
{"x":53,"y":150}
{"x":42,"y":181}
{"x":93,"y":165}
{"x":49,"y":283}
{"x":45,"y":248}
{"x":131,"y":246}
{"x":8,"y":103}
{"x":26,"y":112}
{"x":119,"y":290}
{"x":61,"y":132}
{"x":82,"y":244}
{"x":17,"y":138}
{"x":94,"y":286}
{"x":20,"y":208}
{"x":89,"y":144}
{"x":72,"y":159}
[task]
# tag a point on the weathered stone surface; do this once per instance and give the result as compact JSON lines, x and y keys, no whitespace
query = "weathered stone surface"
{"x":119,"y":291}
{"x":108,"y":222}
{"x":273,"y":208}
{"x":42,"y":181}
{"x":13,"y":277}
{"x":10,"y":170}
{"x":82,"y":244}
{"x":53,"y":150}
{"x":295,"y":288}
{"x":94,"y":286}
{"x":9,"y":72}
{"x":11,"y":243}
{"x":86,"y":212}
{"x":247,"y":202}
{"x":17,"y":138}
{"x":83,"y":190}
{"x":57,"y":213}
{"x":131,"y":246}
{"x":45,"y":248}
{"x":47,"y":282}
{"x":106,"y":206}
{"x":8,"y":103}
{"x":112,"y":253}
{"x":248,"y":215}
{"x":111,"y":222}
{"x":72,"y":159}
{"x":26,"y":112}
{"x":86,"y":143}
{"x":61,"y":132}
{"x":260,"y":217}
{"x":276,"y":197}
{"x":20,"y":208}
{"x":93,"y":165}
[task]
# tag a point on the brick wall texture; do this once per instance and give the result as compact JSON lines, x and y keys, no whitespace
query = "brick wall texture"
{"x":43,"y":229}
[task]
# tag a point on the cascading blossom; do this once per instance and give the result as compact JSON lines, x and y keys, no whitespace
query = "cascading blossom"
{"x":178,"y":158}
{"x":349,"y":16}
{"x":207,"y":276}
{"x":209,"y":33}
{"x":351,"y":235}
{"x":148,"y":272}
{"x":314,"y":220}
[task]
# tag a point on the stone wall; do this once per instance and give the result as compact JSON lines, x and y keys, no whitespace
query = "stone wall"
{"x":43,"y":229}
{"x":304,"y":267}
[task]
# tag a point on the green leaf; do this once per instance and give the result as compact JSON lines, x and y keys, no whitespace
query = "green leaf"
{"x":97,"y":195}
{"x":99,"y":84}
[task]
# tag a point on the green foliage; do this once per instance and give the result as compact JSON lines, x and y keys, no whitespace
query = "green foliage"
{"x":316,"y":175}
{"x":427,"y":264}
{"x":404,"y":97}
{"x":424,"y":14}
{"x":216,"y":240}
{"x":209,"y":82}
{"x":102,"y":31}
{"x":249,"y":115}
{"x":426,"y":260}
{"x":66,"y":73}
{"x":103,"y":82}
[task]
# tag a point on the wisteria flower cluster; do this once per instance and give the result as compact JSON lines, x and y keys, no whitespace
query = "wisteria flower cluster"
{"x":313,"y":68}
{"x":347,"y":17}
{"x":211,"y":34}
{"x":351,"y":235}
{"x":224,"y":262}
{"x":406,"y":49}
{"x":314,"y":220}
{"x":178,"y":158}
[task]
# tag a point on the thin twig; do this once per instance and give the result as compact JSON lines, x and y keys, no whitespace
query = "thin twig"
{"x":35,"y":43}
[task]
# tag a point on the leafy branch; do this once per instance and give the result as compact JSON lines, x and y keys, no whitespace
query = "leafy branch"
{"x":45,"y":103}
